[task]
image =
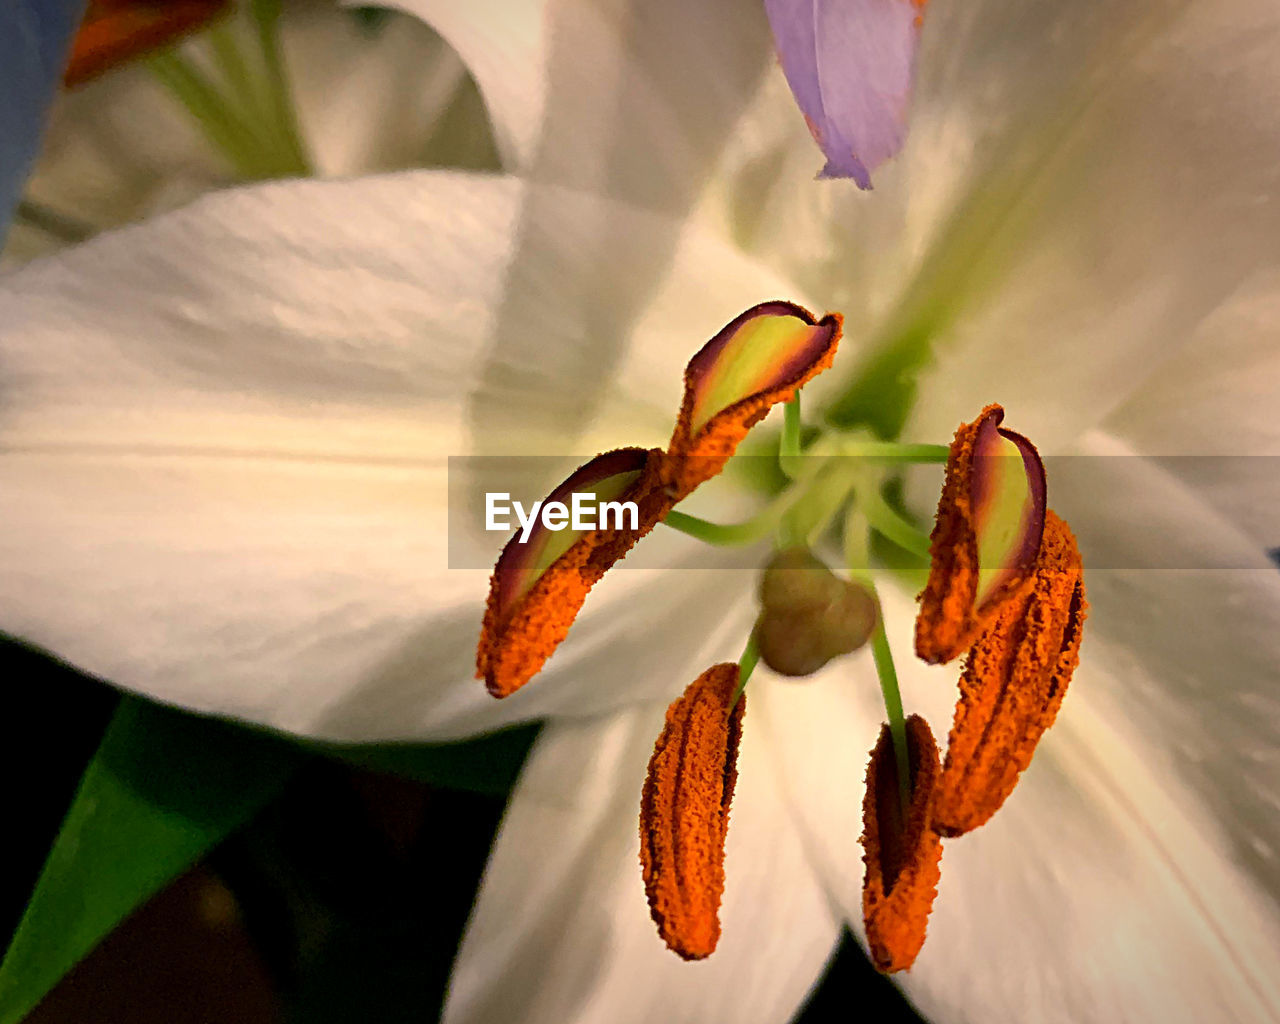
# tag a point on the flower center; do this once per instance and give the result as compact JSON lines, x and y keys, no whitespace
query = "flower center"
{"x":1004,"y":587}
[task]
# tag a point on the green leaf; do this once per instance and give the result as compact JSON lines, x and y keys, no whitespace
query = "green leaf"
{"x":163,"y":788}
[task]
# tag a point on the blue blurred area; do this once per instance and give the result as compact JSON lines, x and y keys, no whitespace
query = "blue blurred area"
{"x":34,"y":38}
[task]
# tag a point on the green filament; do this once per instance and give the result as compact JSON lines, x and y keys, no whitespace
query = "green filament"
{"x":246,"y":111}
{"x":856,"y":544}
{"x":746,"y":665}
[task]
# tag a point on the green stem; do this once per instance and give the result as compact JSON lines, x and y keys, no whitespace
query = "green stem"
{"x":827,"y":491}
{"x":893,"y":451}
{"x":893,"y":707}
{"x":746,"y":665}
{"x":886,"y":521}
{"x":253,"y":93}
{"x":789,"y":445}
{"x":826,"y":498}
{"x":718,"y":533}
{"x":231,"y":65}
{"x":266,"y":15}
{"x":857,"y":551}
{"x":771,"y":518}
{"x":222,"y":125}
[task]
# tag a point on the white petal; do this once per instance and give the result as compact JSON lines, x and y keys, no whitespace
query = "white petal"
{"x":639,"y":97}
{"x":224,"y":444}
{"x":561,"y":931}
{"x":367,"y":101}
{"x":1098,"y":894}
{"x":821,"y":731}
{"x":604,"y":305}
{"x":1213,"y":407}
{"x":1195,"y":607}
{"x":1134,"y":873}
{"x":631,"y":98}
{"x":223,"y":458}
{"x":504,"y":46}
{"x":1079,"y":187}
{"x":1121,"y":211}
{"x":309,"y":319}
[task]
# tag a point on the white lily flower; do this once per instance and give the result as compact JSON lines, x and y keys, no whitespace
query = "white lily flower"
{"x":224,"y":433}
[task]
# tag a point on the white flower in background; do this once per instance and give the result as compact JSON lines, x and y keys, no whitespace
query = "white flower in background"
{"x":223,"y":479}
{"x":369,"y":96}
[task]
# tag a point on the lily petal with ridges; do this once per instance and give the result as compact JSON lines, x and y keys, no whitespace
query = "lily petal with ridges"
{"x":1092,"y":854}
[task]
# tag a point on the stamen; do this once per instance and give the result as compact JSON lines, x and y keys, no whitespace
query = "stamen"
{"x":684,"y":811}
{"x":857,"y":557}
{"x":759,"y":359}
{"x":789,"y":442}
{"x":828,"y":495}
{"x":902,"y":852}
{"x":986,"y":536}
{"x":1012,"y":687}
{"x":893,"y":452}
{"x":747,"y":663}
{"x":886,"y":521}
{"x":730,"y":534}
{"x":538,"y":586}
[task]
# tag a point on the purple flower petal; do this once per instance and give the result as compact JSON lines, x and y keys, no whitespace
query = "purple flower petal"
{"x":849,"y":64}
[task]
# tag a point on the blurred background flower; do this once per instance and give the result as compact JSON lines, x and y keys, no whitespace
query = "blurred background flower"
{"x":358,"y":90}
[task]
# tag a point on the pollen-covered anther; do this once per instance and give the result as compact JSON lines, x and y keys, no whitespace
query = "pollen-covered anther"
{"x":684,"y":812}
{"x":758,"y":359}
{"x":985,"y":538}
{"x":1012,"y":686}
{"x":541,"y":581}
{"x":902,"y":853}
